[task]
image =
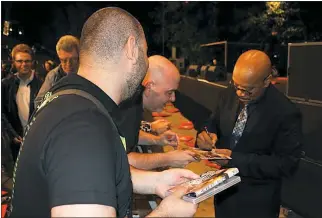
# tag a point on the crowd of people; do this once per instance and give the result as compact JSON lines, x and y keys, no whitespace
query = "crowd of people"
{"x":73,"y":136}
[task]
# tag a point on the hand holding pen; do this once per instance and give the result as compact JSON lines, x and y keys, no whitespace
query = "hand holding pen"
{"x":206,"y":140}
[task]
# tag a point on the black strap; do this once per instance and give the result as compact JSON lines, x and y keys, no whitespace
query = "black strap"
{"x":78,"y":92}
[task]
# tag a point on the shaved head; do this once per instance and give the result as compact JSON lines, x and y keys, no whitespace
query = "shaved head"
{"x":161,"y":82}
{"x":113,"y":52}
{"x":160,"y":68}
{"x":105,"y":34}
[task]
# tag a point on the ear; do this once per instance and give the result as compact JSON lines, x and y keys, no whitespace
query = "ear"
{"x":149,"y":85}
{"x":268,"y":80}
{"x":131,"y":49}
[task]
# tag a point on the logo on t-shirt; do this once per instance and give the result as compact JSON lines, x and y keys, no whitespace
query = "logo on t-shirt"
{"x":123,"y":142}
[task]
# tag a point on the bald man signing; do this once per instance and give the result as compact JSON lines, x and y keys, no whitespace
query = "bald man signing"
{"x":158,"y":88}
{"x":260,"y":129}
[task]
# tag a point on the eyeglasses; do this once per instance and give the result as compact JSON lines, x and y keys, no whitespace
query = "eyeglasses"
{"x":248,"y":91}
{"x":69,"y":60}
{"x":23,"y":61}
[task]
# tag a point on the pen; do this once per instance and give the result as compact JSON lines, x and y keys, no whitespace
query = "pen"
{"x":209,"y":136}
{"x":207,"y":131}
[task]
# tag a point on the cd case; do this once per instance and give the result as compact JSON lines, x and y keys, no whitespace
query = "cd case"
{"x":209,"y":184}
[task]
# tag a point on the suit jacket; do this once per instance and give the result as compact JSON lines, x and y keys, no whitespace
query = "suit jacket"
{"x":9,"y":116}
{"x":268,"y":149}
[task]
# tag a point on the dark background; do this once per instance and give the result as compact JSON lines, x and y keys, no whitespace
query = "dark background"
{"x":36,"y":17}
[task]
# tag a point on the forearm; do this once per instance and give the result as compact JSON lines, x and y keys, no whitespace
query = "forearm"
{"x":148,"y":161}
{"x":143,"y":181}
{"x":148,"y":139}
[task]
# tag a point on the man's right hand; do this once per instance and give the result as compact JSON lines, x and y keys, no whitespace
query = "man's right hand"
{"x":174,"y":206}
{"x":17,"y":140}
{"x":206,"y":142}
{"x":180,"y":158}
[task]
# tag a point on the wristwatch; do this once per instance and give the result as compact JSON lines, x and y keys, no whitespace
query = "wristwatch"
{"x":146,"y":126}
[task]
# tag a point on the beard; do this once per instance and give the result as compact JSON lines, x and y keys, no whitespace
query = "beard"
{"x":135,"y":78}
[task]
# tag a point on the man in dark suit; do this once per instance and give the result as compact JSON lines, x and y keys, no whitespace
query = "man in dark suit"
{"x":260,"y":129}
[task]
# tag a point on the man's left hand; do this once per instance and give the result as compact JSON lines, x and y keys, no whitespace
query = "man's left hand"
{"x":160,"y":126}
{"x":226,"y":152}
{"x":170,"y":178}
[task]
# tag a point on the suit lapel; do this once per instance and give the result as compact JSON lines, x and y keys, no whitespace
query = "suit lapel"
{"x":255,"y":116}
{"x":232,"y":114}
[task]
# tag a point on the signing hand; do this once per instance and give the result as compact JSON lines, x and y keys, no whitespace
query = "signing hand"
{"x":206,"y":142}
{"x":160,"y":126}
{"x":170,"y":178}
{"x":168,"y":138}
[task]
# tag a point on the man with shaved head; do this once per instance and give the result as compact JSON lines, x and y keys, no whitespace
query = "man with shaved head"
{"x":73,"y":160}
{"x":160,"y":83}
{"x":260,"y":129}
{"x":159,"y":87}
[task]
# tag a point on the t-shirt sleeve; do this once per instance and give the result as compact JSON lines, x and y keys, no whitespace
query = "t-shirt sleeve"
{"x":79,"y":161}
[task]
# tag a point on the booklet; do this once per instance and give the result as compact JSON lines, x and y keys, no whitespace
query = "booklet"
{"x":209,"y":184}
{"x":208,"y":155}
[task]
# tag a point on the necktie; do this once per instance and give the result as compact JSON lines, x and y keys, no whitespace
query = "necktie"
{"x":239,"y":126}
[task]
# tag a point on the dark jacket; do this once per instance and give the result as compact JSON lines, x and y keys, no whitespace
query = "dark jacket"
{"x":52,"y":78}
{"x":9,"y":115}
{"x":268,"y":150}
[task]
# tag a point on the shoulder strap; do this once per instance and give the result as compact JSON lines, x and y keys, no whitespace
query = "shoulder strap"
{"x":50,"y":97}
{"x":99,"y":105}
{"x":86,"y":95}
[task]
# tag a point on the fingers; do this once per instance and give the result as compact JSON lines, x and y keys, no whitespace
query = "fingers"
{"x":172,"y":143}
{"x":191,"y":153}
{"x":187,"y":174}
{"x":213,"y":138}
{"x":203,"y":145}
{"x":180,"y":191}
{"x":206,"y":138}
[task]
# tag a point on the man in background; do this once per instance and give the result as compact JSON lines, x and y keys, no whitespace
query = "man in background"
{"x":17,"y":96}
{"x":67,"y":49}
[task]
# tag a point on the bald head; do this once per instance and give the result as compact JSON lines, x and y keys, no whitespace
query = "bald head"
{"x":105,"y":34}
{"x":161,"y":69}
{"x":251,"y":75}
{"x":252,"y":67}
{"x":161,"y":82}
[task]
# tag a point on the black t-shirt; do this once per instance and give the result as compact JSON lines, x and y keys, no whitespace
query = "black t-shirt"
{"x":71,"y":155}
{"x":131,"y":116}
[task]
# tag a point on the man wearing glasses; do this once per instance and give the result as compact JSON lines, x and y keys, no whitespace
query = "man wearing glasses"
{"x":260,"y":129}
{"x":68,"y":52}
{"x":18,"y":94}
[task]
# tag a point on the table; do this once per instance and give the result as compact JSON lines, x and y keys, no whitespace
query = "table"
{"x":206,"y":208}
